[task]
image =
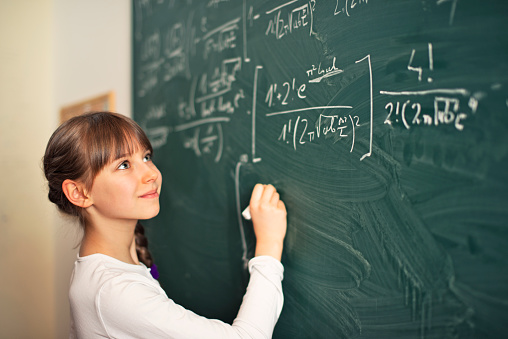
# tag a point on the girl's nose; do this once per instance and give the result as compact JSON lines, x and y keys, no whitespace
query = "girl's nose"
{"x":151,"y":173}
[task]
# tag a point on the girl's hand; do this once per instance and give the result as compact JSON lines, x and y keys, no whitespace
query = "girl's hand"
{"x":269,"y":218}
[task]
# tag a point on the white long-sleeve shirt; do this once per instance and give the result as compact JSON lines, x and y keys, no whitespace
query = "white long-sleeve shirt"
{"x":113,"y":299}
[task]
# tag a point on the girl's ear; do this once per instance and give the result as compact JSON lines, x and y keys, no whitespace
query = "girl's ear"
{"x":76,"y":193}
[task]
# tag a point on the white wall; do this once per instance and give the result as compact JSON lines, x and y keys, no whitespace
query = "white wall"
{"x":93,"y":50}
{"x":52,"y":53}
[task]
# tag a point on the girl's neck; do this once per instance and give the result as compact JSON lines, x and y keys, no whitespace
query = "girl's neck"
{"x":117,"y":241}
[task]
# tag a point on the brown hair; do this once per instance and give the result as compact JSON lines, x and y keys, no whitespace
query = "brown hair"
{"x":81,"y":147}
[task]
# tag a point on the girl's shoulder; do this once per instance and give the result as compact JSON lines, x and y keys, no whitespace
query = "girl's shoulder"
{"x":100,"y":268}
{"x":96,"y":272}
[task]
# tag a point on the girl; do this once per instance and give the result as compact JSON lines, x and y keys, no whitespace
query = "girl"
{"x":99,"y":168}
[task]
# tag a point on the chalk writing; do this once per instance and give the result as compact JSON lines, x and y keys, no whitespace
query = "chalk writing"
{"x":453,"y":8}
{"x":215,"y":3}
{"x":163,"y":57}
{"x":346,"y":6}
{"x":371,"y":101}
{"x":247,"y":16}
{"x":214,"y":96}
{"x":298,"y":131}
{"x":283,"y":93}
{"x":141,"y":6}
{"x":445,"y":109}
{"x":220,"y":38}
{"x":219,"y":81}
{"x":419,"y":69}
{"x":297,"y":18}
{"x":213,"y":88}
{"x":156,"y":132}
{"x":203,"y":136}
{"x":243,"y":160}
{"x":150,"y":54}
{"x":148,"y":77}
{"x":320,"y":73}
{"x":198,"y":123}
{"x":151,"y":47}
{"x":254,"y":103}
{"x":174,"y":52}
{"x":206,"y":140}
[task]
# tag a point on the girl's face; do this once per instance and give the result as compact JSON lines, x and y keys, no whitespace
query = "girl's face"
{"x":127,"y":188}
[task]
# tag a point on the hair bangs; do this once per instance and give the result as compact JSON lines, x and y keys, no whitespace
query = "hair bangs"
{"x":111,"y":138}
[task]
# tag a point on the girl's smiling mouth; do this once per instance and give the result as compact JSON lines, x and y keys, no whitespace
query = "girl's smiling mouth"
{"x":151,"y":194}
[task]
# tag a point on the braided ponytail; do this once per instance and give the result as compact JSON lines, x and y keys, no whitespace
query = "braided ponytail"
{"x":142,"y":251}
{"x":142,"y":246}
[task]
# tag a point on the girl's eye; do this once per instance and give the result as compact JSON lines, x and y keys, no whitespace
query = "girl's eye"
{"x":147,"y":158}
{"x":124,"y":165}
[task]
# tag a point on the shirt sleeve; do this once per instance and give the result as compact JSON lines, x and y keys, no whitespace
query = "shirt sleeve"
{"x":136,"y":309}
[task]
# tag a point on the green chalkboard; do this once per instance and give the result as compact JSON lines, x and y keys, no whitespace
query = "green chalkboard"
{"x":383,"y":124}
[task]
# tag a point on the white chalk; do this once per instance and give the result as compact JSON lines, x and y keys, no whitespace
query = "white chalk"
{"x":246,"y":213}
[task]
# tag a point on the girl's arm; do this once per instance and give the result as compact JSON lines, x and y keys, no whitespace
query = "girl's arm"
{"x":269,"y":218}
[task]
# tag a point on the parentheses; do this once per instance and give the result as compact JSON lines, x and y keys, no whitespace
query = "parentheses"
{"x":311,"y":10}
{"x":221,"y":143}
{"x":403,"y":114}
{"x":295,"y":132}
{"x":353,"y":142}
{"x":347,"y":12}
{"x":318,"y":129}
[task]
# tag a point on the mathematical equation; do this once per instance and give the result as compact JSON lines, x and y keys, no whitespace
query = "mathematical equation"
{"x":433,"y":107}
{"x":212,"y":99}
{"x":347,"y":6}
{"x":445,"y":110}
{"x":290,"y":17}
{"x":165,"y":52}
{"x":215,"y":97}
{"x":298,"y":131}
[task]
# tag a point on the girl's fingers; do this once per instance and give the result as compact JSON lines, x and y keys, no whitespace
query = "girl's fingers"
{"x":268,"y":192}
{"x":274,"y":199}
{"x":265,"y":195}
{"x":257,"y":192}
